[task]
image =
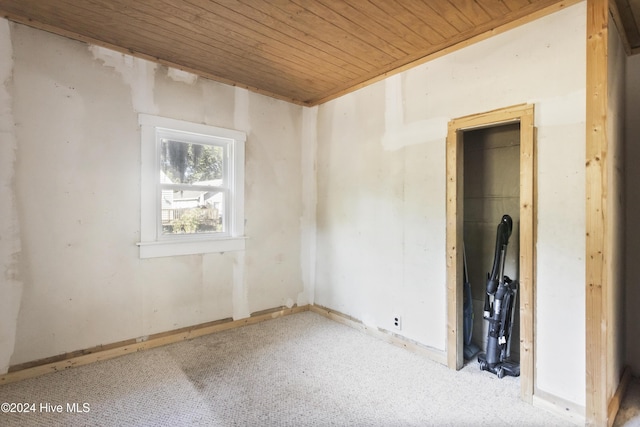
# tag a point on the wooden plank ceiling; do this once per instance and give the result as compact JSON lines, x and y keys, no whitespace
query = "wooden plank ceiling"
{"x":304,"y":51}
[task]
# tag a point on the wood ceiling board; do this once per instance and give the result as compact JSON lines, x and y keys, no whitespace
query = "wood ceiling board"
{"x":428,"y":19}
{"x":304,"y":51}
{"x":297,"y":40}
{"x":472,"y":11}
{"x":238,"y":41}
{"x":398,"y":30}
{"x":401,"y":39}
{"x":258,"y":57}
{"x":164,"y":58}
{"x":515,"y":5}
{"x":451,"y":14}
{"x":495,"y":8}
{"x":192,"y":53}
{"x":293,"y":48}
{"x":226,"y":63}
{"x":409,"y":21}
{"x":282,"y":38}
{"x":354,"y":29}
{"x":318,"y":28}
{"x":315,"y":40}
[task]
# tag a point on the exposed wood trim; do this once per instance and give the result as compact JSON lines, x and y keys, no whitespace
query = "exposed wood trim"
{"x":597,"y":255}
{"x":530,"y":389}
{"x":527,"y":252}
{"x":449,"y":49}
{"x":491,"y":118}
{"x":104,"y":347}
{"x":391,"y":338}
{"x":614,"y":404}
{"x":524,"y":114}
{"x":154,"y":341}
{"x":455,"y":218}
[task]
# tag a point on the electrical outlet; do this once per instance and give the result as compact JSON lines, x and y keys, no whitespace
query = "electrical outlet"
{"x":397,"y":322}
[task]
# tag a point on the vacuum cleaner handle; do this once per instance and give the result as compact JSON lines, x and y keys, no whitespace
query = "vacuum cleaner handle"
{"x":502,"y":240}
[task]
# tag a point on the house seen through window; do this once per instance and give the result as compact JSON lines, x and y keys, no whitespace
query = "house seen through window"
{"x":193,"y":187}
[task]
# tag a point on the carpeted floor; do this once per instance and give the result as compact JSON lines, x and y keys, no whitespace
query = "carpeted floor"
{"x":299,"y":370}
{"x":629,"y":413}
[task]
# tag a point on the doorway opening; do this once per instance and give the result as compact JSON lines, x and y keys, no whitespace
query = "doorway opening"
{"x":491,"y":183}
{"x":490,"y":172}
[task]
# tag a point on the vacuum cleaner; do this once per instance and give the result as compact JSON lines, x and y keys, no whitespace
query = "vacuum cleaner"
{"x":499,"y":309}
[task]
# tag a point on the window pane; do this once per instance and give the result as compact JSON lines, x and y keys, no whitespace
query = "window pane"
{"x":191,"y":212}
{"x":189,"y":163}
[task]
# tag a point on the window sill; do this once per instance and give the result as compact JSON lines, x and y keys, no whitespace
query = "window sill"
{"x":177,"y":247}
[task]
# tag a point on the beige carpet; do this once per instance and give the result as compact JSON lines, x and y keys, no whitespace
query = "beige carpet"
{"x":629,"y":413}
{"x":300,"y":370}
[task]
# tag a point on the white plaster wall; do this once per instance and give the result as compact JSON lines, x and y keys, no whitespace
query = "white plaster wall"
{"x":70,"y":190}
{"x":381,"y":188}
{"x":632,"y":223}
{"x":10,"y":280}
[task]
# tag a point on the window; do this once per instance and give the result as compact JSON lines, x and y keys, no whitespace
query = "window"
{"x":192,"y":188}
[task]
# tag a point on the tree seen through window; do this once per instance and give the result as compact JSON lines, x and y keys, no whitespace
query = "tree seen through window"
{"x":193,"y":196}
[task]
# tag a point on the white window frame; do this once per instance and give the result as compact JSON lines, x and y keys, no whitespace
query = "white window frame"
{"x":153,"y":243}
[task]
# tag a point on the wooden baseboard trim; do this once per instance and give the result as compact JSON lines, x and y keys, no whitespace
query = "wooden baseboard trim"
{"x":144,"y":343}
{"x":397,"y":340}
{"x":104,"y":347}
{"x":616,"y":400}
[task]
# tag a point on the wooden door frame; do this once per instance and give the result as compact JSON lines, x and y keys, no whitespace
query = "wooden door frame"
{"x":522,"y":114}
